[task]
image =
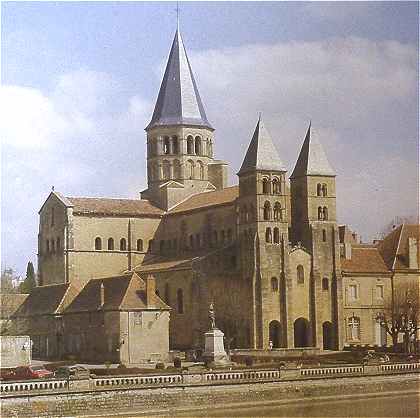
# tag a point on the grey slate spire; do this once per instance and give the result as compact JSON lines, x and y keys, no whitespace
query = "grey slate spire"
{"x":178,"y":102}
{"x":312,"y":160}
{"x":261,"y":153}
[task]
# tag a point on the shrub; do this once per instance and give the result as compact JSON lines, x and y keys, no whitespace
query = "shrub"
{"x":160,"y":366}
{"x":107,"y":364}
{"x":177,"y":362}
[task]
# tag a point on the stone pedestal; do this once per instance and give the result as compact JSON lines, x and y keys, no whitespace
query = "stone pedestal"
{"x":214,"y":349}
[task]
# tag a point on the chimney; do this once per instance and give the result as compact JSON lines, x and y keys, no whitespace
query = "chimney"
{"x":347,"y":250}
{"x":150,"y":291}
{"x":102,"y":293}
{"x":412,"y":253}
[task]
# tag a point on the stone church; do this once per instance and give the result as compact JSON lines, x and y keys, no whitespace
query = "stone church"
{"x":266,"y":251}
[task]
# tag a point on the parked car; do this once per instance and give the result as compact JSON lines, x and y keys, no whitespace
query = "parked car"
{"x":28,"y":372}
{"x":72,"y":372}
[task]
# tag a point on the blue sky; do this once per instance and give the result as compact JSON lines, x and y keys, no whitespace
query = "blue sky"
{"x":79,"y":81}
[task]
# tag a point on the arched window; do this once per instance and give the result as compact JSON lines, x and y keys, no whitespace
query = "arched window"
{"x":139,"y":245}
{"x":268,"y":237}
{"x":110,"y":243}
{"x":320,"y":214}
{"x":319,"y":189}
{"x":201,"y":169}
{"x":48,"y":246}
{"x":229,"y":235}
{"x":353,"y":328}
{"x":162,"y":246}
{"x":150,"y":246}
{"x":175,"y":145}
{"x":300,"y":274}
{"x":190,"y":145}
{"x":325,"y":283}
{"x":277,"y":211}
{"x":58,"y":244}
{"x":98,"y":243}
{"x":166,"y":167}
{"x":324,"y":190}
{"x":166,"y":145}
{"x":276,"y":186}
{"x":267,"y":211}
{"x":276,"y":236}
{"x":325,"y":213}
{"x":266,"y":186}
{"x":123,"y":244}
{"x":180,"y":301}
{"x":210,"y":148}
{"x":197,"y":145}
{"x":274,"y":284}
{"x":190,"y":169}
{"x":324,"y":235}
{"x":167,"y":294}
{"x":177,"y":169}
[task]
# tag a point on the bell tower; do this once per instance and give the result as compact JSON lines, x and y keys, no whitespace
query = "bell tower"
{"x":180,"y":138}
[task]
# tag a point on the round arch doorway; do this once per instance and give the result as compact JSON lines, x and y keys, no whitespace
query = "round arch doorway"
{"x":327,"y":336}
{"x":301,"y":332}
{"x":274,"y":331}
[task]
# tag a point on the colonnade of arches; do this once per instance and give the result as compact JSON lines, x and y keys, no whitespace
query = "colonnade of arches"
{"x":173,"y":169}
{"x":173,"y":145}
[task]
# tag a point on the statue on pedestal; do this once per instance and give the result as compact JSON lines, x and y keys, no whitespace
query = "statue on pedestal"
{"x":212,"y":316}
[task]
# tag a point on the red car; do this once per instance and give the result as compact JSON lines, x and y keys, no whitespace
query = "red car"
{"x":28,"y":372}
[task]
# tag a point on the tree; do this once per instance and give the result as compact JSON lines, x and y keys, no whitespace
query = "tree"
{"x":8,"y":280}
{"x":29,"y":283}
{"x":400,"y":315}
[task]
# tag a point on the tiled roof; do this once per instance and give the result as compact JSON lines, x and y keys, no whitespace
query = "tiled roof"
{"x":124,"y":292}
{"x":394,"y":247}
{"x":364,"y":259}
{"x":51,"y":299}
{"x":113,"y":207}
{"x":312,"y":159}
{"x":10,"y":302}
{"x":261,"y":153}
{"x":178,"y":102}
{"x":206,"y":199}
{"x":159,"y":264}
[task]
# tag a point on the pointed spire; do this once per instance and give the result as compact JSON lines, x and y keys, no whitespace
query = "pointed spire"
{"x":261,"y":153}
{"x":312,"y":160}
{"x":178,"y":102}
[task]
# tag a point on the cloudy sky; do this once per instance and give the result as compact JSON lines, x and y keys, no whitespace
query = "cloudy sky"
{"x":79,"y":81}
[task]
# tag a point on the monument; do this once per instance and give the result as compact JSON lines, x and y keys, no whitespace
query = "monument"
{"x":214,"y":349}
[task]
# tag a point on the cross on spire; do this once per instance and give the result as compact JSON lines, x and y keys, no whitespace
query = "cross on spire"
{"x":177,"y":15}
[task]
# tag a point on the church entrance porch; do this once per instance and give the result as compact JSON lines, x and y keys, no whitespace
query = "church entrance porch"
{"x":274,"y":330}
{"x":327,"y":336}
{"x":301,"y":333}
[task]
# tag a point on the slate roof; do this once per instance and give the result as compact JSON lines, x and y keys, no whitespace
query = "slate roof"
{"x":178,"y":102}
{"x":261,"y":153}
{"x":51,"y":299}
{"x":394,"y":247}
{"x":123,"y":292}
{"x":312,"y":159}
{"x":113,"y":207}
{"x":207,"y":199}
{"x":163,"y":264}
{"x":364,"y":259}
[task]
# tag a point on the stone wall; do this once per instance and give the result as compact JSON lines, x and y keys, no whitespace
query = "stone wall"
{"x":15,"y":351}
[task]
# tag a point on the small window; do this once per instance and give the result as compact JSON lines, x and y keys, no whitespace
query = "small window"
{"x":166,"y":146}
{"x":325,"y":213}
{"x":324,"y":190}
{"x":110,"y":244}
{"x":150,"y":246}
{"x":300,"y":274}
{"x":123,"y":244}
{"x":274,"y":284}
{"x":325,"y":284}
{"x":379,"y":291}
{"x":324,"y":235}
{"x":180,"y":301}
{"x":48,"y":246}
{"x":320,"y":214}
{"x":267,"y":211}
{"x":268,"y":237}
{"x":277,"y":211}
{"x":276,"y":236}
{"x":276,"y":186}
{"x":175,"y":145}
{"x":52,"y":246}
{"x":190,"y":145}
{"x":98,"y":243}
{"x":139,"y":245}
{"x":353,"y":327}
{"x":319,"y":189}
{"x":197,"y":145}
{"x":58,"y":244}
{"x":353,"y":292}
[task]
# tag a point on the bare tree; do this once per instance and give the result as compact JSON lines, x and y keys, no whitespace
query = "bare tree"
{"x":400,"y":315}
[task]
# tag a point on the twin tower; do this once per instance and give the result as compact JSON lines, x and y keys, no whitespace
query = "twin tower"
{"x":180,"y":161}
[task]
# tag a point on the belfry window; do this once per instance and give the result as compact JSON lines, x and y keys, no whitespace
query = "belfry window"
{"x":277,"y":211}
{"x":98,"y":243}
{"x":175,"y":145}
{"x":190,"y":145}
{"x":276,"y":186}
{"x":266,"y":186}
{"x":267,"y":211}
{"x":268,"y":237}
{"x":325,"y":213}
{"x":324,"y":190}
{"x":166,"y":145}
{"x":197,"y":145}
{"x":319,"y":189}
{"x":276,"y":236}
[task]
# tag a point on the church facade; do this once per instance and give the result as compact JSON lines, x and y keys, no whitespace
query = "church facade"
{"x":266,"y":252}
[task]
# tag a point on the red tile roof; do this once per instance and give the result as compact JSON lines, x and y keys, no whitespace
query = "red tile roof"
{"x":113,"y":207}
{"x":364,"y":259}
{"x":207,"y":199}
{"x":394,"y":247}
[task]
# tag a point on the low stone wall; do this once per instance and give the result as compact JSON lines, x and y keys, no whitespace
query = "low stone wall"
{"x":276,"y":352}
